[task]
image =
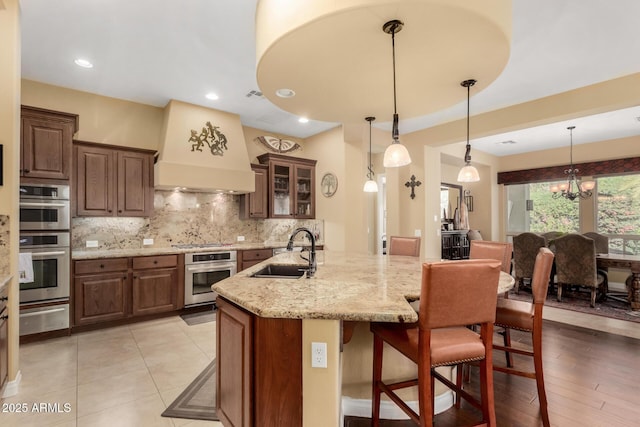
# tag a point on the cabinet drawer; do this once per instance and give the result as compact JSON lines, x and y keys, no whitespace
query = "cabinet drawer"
{"x":92,"y":266}
{"x":159,"y":261}
{"x":257,"y":254}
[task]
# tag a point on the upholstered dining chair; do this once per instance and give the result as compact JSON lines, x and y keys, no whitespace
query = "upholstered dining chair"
{"x":550,"y":236}
{"x":525,"y":248}
{"x":527,"y":316}
{"x":576,"y":264}
{"x":453,"y":294}
{"x":485,"y":249}
{"x":409,"y":246}
{"x":602,"y":247}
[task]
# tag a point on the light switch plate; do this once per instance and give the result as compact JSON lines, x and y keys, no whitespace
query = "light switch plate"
{"x":147,"y":241}
{"x":92,"y":243}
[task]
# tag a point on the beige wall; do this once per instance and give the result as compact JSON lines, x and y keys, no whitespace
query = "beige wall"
{"x":102,"y":119}
{"x":10,"y":140}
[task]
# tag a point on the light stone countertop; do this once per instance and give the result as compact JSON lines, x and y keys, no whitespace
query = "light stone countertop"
{"x":148,"y":251}
{"x":347,"y":286}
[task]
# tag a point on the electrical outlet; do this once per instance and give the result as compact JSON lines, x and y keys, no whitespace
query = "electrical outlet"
{"x":92,"y":243}
{"x":318,"y":354}
{"x":240,"y":238}
{"x":147,"y":242}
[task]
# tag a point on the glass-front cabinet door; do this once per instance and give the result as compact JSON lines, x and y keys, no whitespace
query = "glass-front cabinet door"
{"x":281,"y":194}
{"x":305,"y":203}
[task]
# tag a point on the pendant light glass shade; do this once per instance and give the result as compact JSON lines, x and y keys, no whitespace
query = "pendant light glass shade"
{"x":370,"y":186}
{"x":468,"y":173}
{"x":396,"y":154}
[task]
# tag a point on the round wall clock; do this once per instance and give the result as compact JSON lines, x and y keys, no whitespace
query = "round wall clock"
{"x":329,"y":184}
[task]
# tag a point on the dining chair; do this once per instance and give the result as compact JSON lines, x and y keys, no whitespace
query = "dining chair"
{"x":525,"y":248}
{"x":485,"y":249}
{"x":576,"y":264}
{"x":550,"y":236}
{"x":453,"y":294}
{"x":408,"y":246}
{"x":602,"y":247}
{"x":527,"y":316}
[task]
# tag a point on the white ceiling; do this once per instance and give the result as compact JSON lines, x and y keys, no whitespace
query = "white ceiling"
{"x":151,"y":51}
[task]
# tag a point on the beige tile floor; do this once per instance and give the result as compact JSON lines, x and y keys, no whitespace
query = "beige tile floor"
{"x":118,"y":377}
{"x":126,"y":376}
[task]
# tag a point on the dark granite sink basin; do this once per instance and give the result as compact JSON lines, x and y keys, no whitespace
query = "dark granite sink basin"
{"x":280,"y":271}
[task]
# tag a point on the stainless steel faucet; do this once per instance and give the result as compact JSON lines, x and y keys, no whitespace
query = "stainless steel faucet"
{"x":312,"y":254}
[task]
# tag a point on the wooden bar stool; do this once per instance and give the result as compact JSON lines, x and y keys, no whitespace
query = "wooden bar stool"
{"x":453,"y":294}
{"x":526,"y":316}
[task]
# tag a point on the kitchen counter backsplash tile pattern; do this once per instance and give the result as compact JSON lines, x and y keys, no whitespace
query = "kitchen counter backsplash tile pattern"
{"x":185,"y":218}
{"x":4,"y":245}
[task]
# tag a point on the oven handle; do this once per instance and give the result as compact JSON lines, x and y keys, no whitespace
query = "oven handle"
{"x":35,"y":204}
{"x":55,"y":253}
{"x":40,"y":313}
{"x":217,"y":267}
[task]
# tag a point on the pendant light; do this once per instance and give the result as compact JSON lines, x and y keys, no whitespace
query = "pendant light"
{"x":468,"y":173}
{"x":370,"y":186}
{"x":396,"y":154}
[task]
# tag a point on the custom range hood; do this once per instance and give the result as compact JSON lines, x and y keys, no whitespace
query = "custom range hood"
{"x":202,"y":150}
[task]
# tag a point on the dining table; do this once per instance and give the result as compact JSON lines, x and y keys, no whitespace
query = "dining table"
{"x":624,"y":261}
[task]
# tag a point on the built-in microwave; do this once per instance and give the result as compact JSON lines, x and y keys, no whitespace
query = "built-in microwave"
{"x":44,"y":207}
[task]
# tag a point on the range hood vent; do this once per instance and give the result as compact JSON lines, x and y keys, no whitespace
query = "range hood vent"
{"x":187,"y":163}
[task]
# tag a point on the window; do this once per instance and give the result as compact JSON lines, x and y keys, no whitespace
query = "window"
{"x":531,"y":207}
{"x":618,"y":212}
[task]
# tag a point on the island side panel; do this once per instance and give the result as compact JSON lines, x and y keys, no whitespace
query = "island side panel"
{"x":278,"y":372}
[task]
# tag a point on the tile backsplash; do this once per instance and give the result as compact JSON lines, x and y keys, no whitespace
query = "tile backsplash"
{"x":185,"y":218}
{"x":4,"y":245}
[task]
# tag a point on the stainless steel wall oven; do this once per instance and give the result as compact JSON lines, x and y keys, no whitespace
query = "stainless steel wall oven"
{"x":44,"y":207}
{"x":203,"y":270}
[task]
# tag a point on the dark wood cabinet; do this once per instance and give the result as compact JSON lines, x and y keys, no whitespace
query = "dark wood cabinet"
{"x":119,"y":288}
{"x":154,"y":286}
{"x":46,"y":141}
{"x":291,"y":186}
{"x":247,"y":258}
{"x":112,"y":181}
{"x":101,"y":289}
{"x":4,"y":336}
{"x":263,"y":391}
{"x":455,"y":244}
{"x":255,"y":205}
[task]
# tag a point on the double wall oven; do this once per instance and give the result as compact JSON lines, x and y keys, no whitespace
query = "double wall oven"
{"x":45,"y":257}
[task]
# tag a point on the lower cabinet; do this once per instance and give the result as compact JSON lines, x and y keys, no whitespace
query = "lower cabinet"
{"x":4,"y":336}
{"x":247,"y":258}
{"x":265,"y":390}
{"x":119,"y":288}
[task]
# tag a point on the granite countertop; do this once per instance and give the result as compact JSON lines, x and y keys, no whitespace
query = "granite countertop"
{"x":4,"y":280}
{"x":346,"y":286}
{"x":115,"y":253}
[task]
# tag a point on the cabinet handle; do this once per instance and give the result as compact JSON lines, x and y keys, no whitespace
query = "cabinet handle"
{"x":124,"y":277}
{"x":5,"y":317}
{"x":4,"y":299}
{"x":27,"y":171}
{"x":101,"y":265}
{"x":120,"y":211}
{"x":109,"y":210}
{"x":155,"y":261}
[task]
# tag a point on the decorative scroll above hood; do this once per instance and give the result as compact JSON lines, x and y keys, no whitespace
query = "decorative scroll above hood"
{"x":202,"y":150}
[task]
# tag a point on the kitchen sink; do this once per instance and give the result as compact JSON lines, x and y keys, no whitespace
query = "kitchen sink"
{"x":280,"y":271}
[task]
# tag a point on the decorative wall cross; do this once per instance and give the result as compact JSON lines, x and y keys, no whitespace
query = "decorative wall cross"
{"x":413,"y":184}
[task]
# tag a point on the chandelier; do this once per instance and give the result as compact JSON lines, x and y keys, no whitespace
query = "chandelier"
{"x":574,"y":187}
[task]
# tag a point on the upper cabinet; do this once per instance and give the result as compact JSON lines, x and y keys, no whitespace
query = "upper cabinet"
{"x":46,"y":141}
{"x":255,"y":205}
{"x":112,"y":181}
{"x":291,"y":186}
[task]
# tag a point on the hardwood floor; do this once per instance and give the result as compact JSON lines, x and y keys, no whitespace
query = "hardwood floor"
{"x":592,"y":379}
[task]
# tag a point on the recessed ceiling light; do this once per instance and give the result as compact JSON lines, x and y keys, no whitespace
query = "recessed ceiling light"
{"x":83,"y":63}
{"x":285,"y":93}
{"x":303,"y":120}
{"x":212,"y":96}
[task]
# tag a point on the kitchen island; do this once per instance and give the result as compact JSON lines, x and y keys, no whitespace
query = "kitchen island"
{"x":266,"y":327}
